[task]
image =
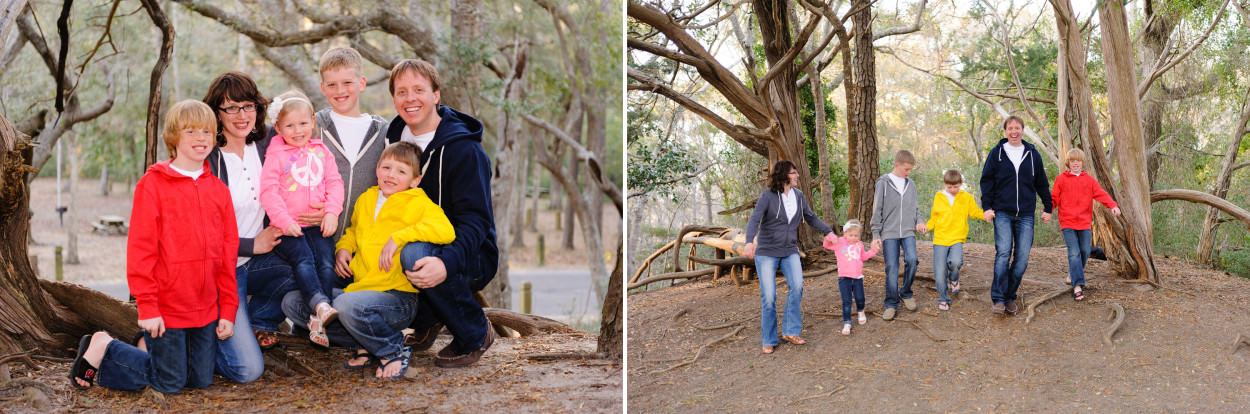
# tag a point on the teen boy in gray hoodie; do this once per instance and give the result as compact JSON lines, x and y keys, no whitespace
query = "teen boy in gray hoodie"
{"x":895,"y":221}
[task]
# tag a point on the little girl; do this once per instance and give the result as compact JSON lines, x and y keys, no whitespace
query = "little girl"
{"x":851,"y":258}
{"x":299,"y":172}
{"x":1074,"y":195}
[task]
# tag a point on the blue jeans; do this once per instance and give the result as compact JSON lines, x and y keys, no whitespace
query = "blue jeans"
{"x":181,"y":358}
{"x":312,"y":259}
{"x":889,"y":252}
{"x":1078,"y":254}
{"x":1013,"y":238}
{"x":946,"y":263}
{"x":792,"y":318}
{"x":268,"y":279}
{"x":451,"y":302}
{"x":367,"y":319}
{"x":238,"y":357}
{"x":849,"y":288}
{"x":297,"y":310}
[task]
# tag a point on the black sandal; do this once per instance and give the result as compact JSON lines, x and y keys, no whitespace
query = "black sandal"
{"x":1078,"y":295}
{"x":369,"y":362}
{"x":82,"y":370}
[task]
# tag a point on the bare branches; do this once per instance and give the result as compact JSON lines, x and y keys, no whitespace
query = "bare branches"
{"x":1161,"y":67}
{"x":593,"y":163}
{"x":683,"y":177}
{"x":1203,"y":198}
{"x":895,"y":31}
{"x":750,"y":139}
{"x":295,"y":64}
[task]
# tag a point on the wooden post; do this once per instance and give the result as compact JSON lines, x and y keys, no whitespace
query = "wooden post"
{"x":542,"y":249}
{"x":560,"y":219}
{"x":60,"y":272}
{"x":527,"y":297}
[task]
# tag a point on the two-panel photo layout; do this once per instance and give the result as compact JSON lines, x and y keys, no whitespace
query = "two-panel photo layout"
{"x":610,"y":206}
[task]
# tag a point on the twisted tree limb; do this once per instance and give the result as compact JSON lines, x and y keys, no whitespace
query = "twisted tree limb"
{"x":701,"y":349}
{"x":1030,"y":311}
{"x":1117,"y":318}
{"x":1242,"y":339}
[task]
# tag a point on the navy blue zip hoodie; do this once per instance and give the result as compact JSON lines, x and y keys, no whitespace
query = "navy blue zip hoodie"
{"x":1006,"y":190}
{"x":456,"y":176}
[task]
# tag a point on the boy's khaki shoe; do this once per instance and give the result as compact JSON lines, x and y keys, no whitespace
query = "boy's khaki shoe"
{"x":910,"y":303}
{"x":888,"y":314}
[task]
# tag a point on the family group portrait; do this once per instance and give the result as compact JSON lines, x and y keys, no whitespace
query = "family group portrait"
{"x":937,"y":206}
{"x":335,"y":206}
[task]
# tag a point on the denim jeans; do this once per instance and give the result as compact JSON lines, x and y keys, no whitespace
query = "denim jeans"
{"x":889,"y":252}
{"x":268,"y":278}
{"x":792,"y":318}
{"x":238,"y":357}
{"x":946,"y":263}
{"x":850,"y":287}
{"x":181,"y":358}
{"x":370,"y":319}
{"x":1013,"y":238}
{"x":1078,"y":254}
{"x":312,"y":259}
{"x":451,"y":302}
{"x":297,"y":310}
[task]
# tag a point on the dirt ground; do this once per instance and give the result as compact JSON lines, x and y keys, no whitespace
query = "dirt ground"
{"x":505,"y":380}
{"x":1174,"y":351}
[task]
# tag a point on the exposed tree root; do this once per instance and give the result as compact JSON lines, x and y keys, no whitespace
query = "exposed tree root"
{"x":680,"y":313}
{"x":922,"y":329}
{"x":560,"y":356}
{"x":20,"y":356}
{"x":1157,"y":285}
{"x":722,"y":326}
{"x":675,"y":275}
{"x":701,"y":349}
{"x":830,"y":394}
{"x":1031,"y":310}
{"x":525,"y":324}
{"x":1242,"y":339}
{"x":1117,"y":318}
{"x":646,"y":264}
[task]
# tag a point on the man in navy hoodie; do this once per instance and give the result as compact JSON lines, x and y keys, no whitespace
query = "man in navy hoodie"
{"x":456,"y":176}
{"x":1011,"y":181}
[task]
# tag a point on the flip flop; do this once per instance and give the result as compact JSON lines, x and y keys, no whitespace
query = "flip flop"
{"x":768,"y":349}
{"x":944,"y":306}
{"x":797,"y":340}
{"x":81,"y":369}
{"x":955,"y":287}
{"x":403,"y":363}
{"x":369,"y":362}
{"x":266,"y":339}
{"x":1078,"y":295}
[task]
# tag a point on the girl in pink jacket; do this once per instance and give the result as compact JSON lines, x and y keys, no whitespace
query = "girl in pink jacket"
{"x":300,"y":178}
{"x":851,"y":258}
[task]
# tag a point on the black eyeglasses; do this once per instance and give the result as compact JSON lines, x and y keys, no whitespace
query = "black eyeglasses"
{"x":249,"y":108}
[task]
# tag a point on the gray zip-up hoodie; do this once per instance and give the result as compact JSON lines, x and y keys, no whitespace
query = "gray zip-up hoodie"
{"x":778,"y":235}
{"x":363,"y":175}
{"x":894,"y":215}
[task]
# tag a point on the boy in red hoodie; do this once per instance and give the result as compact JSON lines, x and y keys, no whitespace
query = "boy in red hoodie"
{"x":1074,"y":194}
{"x":180,"y":260}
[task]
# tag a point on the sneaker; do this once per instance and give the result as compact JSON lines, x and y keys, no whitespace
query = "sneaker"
{"x":1012,"y":307}
{"x":863,"y":319}
{"x":998,"y":308}
{"x":888,"y":314}
{"x":910,"y":303}
{"x":846,"y":329}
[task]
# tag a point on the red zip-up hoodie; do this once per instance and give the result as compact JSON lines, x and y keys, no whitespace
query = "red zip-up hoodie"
{"x":1074,"y":196}
{"x":181,"y":250}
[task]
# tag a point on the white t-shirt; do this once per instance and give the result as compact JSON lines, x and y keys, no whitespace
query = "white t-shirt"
{"x":244,"y":175}
{"x":377,"y":208}
{"x":352,"y":132}
{"x":422,"y":140}
{"x":194,"y":174}
{"x":899,"y":183}
{"x":1015,"y":153}
{"x":790,"y":204}
{"x":950,"y":198}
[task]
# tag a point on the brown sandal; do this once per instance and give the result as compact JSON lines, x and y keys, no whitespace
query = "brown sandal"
{"x":266,"y":339}
{"x":768,"y":349}
{"x":797,"y":340}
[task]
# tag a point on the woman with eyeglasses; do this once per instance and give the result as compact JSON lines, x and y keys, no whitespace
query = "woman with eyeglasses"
{"x":776,"y":221}
{"x":241,"y":144}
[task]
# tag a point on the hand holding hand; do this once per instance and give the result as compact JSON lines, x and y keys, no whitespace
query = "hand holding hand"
{"x":294,"y":230}
{"x":154,"y":326}
{"x":312,"y":217}
{"x":831,"y":240}
{"x":342,"y":266}
{"x":876,"y":244}
{"x":1115,"y":211}
{"x":388,"y":251}
{"x":329,"y":224}
{"x":266,"y":240}
{"x":428,"y":272}
{"x":225,"y":329}
{"x":749,"y":250}
{"x":921,"y":228}
{"x":989,"y":215}
{"x":1045,"y":217}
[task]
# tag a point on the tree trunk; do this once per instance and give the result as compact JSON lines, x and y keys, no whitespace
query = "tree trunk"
{"x":1207,"y":239}
{"x":71,"y":231}
{"x":861,"y":112}
{"x":499,"y":292}
{"x":611,"y":326}
{"x":105,"y":185}
{"x":822,"y":146}
{"x":571,"y":193}
{"x":1130,"y":150}
{"x":158,"y":73}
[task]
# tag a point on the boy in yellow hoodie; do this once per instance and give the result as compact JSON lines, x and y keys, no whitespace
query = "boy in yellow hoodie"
{"x":952,"y":208}
{"x":388,"y":216}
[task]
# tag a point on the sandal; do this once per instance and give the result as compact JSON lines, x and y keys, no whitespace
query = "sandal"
{"x":797,"y":340}
{"x":266,"y":339}
{"x":317,"y":324}
{"x":955,"y":286}
{"x":81,"y":369}
{"x":943,"y":306}
{"x":370,"y":360}
{"x":863,"y":319}
{"x":1078,"y":294}
{"x":846,"y":329}
{"x":403,"y":363}
{"x":768,"y":349}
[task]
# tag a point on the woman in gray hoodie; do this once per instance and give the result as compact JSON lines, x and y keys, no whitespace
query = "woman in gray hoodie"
{"x":776,"y":221}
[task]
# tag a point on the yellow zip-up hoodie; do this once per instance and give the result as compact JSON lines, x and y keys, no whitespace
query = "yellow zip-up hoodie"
{"x":949,"y":222}
{"x":407,"y":216}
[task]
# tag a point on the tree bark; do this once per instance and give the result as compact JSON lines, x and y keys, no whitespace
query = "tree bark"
{"x":158,"y":73}
{"x":504,"y":180}
{"x":1154,"y":39}
{"x":861,"y":111}
{"x":1206,"y":239}
{"x":611,"y":326}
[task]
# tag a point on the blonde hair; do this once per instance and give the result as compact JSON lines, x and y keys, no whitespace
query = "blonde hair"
{"x":417,"y":67}
{"x":289,"y":101}
{"x":1074,"y":154}
{"x":185,"y":114}
{"x":341,"y":57}
{"x":852,"y":224}
{"x":904,"y":157}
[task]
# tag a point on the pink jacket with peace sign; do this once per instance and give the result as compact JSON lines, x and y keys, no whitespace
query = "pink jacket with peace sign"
{"x":293,"y":178}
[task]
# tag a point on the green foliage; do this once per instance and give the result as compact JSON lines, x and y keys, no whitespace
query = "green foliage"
{"x":657,"y":162}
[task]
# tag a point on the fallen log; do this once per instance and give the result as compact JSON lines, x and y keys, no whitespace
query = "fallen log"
{"x":692,"y":228}
{"x":1117,"y":318}
{"x":670,"y":276}
{"x":98,"y":309}
{"x":525,"y":324}
{"x":646,"y":264}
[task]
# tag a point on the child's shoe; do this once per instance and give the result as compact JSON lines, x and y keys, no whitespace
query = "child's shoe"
{"x":943,"y":306}
{"x":863,"y":319}
{"x":846,"y":329}
{"x":955,"y":286}
{"x":317,"y":322}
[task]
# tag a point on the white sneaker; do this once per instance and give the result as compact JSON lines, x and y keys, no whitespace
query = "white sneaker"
{"x":863,"y":319}
{"x":846,"y":329}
